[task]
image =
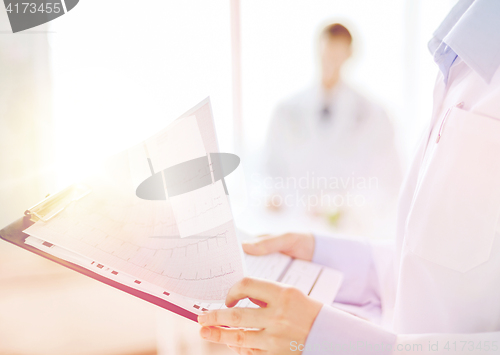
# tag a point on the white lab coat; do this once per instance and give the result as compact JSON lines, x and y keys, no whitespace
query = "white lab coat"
{"x":354,"y":144}
{"x":440,"y":289}
{"x":445,"y":277}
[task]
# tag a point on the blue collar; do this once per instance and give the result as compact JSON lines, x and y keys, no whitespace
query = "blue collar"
{"x":472,"y":31}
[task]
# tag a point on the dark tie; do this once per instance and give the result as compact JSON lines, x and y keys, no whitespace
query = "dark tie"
{"x":325,"y":113}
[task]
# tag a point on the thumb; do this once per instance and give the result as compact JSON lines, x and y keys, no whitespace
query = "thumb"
{"x":266,"y":245}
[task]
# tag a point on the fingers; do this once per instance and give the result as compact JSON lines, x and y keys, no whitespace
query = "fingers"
{"x":267,"y":244}
{"x":235,"y":349}
{"x":257,"y":302}
{"x":235,"y":317}
{"x":240,"y":338}
{"x":257,"y":289}
{"x":246,"y":351}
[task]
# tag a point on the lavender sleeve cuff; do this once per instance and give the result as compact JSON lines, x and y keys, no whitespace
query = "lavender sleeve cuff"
{"x":354,"y":259}
{"x":338,"y":332}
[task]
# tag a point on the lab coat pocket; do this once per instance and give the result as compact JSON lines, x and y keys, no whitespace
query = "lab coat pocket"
{"x":456,"y":205}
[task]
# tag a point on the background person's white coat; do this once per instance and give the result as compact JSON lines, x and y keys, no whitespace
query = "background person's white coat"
{"x":347,"y":151}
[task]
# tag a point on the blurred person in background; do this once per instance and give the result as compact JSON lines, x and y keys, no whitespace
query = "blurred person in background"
{"x":334,"y":145}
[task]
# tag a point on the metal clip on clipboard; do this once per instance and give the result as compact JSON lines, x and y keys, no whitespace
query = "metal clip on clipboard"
{"x":54,"y":204}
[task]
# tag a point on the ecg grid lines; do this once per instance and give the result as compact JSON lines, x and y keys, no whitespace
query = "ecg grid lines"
{"x":139,"y":237}
{"x":199,"y":268}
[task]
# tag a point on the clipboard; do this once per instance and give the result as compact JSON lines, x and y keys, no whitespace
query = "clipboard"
{"x":50,"y":207}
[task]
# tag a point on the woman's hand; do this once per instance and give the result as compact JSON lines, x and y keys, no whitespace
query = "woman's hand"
{"x":297,"y":245}
{"x":283,"y":321}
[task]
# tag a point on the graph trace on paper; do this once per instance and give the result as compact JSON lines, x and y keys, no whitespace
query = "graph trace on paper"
{"x":186,"y":244}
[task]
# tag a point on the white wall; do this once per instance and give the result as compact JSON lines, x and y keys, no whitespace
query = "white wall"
{"x":124,"y":69}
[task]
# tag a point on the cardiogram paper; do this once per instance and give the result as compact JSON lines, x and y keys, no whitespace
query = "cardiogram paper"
{"x":186,"y":244}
